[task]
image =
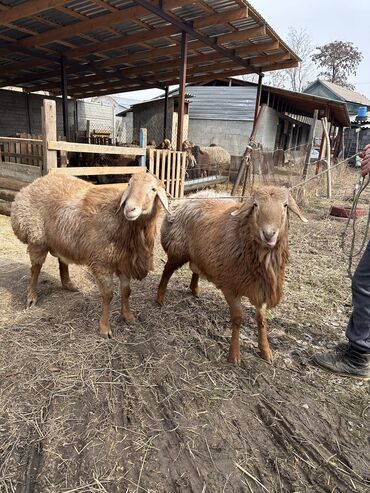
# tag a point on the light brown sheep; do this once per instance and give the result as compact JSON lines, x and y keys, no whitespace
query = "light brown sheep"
{"x":205,"y":159}
{"x":242,"y":249}
{"x":106,"y":228}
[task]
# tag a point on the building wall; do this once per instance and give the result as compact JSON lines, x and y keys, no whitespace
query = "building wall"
{"x":21,"y":113}
{"x":151,"y":117}
{"x":234,"y":135}
{"x":320,"y":90}
{"x":231,"y":135}
{"x":101,"y":116}
{"x":267,"y":134}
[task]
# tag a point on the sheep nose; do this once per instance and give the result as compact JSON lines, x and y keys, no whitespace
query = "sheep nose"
{"x":268,"y":235}
{"x":130,"y":209}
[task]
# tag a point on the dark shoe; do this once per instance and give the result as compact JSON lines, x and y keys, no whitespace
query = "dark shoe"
{"x":349,"y":363}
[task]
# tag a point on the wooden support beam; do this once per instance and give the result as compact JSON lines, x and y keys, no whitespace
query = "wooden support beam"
{"x":311,"y":137}
{"x":190,"y":31}
{"x":59,"y":145}
{"x":29,"y":8}
{"x":157,"y":33}
{"x":170,"y":73}
{"x":182,"y":87}
{"x":172,"y":51}
{"x":49,"y":133}
{"x":98,"y":170}
{"x":94,"y":23}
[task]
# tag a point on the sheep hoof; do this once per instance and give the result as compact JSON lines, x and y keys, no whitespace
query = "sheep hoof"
{"x":129,"y":318}
{"x":234,"y":359}
{"x":196,"y":292}
{"x":267,"y":355}
{"x":160,"y":301}
{"x":106,"y":334}
{"x":31,"y":301}
{"x":70,"y":286}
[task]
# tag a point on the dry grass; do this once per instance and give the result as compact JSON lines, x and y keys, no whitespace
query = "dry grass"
{"x":157,"y":409}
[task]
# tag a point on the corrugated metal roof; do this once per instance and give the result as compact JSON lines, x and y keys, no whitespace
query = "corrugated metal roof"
{"x":346,"y":94}
{"x":108,"y":35}
{"x":222,"y":103}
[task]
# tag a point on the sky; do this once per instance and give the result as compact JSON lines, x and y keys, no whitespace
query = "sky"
{"x":324,"y":20}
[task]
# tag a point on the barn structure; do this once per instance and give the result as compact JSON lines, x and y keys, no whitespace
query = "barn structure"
{"x":81,"y":49}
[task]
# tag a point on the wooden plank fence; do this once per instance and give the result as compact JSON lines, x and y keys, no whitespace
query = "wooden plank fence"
{"x":24,"y":158}
{"x":169,"y":166}
{"x":23,"y":149}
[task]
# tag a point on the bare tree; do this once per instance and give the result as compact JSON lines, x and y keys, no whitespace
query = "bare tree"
{"x":338,"y":59}
{"x":300,"y":42}
{"x":298,"y":77}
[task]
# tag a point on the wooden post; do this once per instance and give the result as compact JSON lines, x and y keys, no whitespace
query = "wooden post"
{"x":165,"y":113}
{"x":49,"y":133}
{"x":258,"y":97}
{"x":324,"y":122}
{"x":181,"y":109}
{"x":143,"y":137}
{"x":311,"y":137}
{"x":63,"y":77}
{"x":248,"y":150}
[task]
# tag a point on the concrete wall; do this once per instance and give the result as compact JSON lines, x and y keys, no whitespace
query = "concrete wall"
{"x":151,"y":117}
{"x":234,"y":135}
{"x":267,"y":133}
{"x":21,"y":113}
{"x":231,"y":135}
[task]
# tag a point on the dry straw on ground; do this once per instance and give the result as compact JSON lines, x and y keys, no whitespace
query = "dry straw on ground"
{"x":158,"y":409}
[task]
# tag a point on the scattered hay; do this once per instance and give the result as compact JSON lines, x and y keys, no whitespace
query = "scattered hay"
{"x":157,"y":408}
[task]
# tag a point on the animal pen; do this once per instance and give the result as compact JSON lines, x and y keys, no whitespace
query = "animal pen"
{"x":156,"y":409}
{"x":23,"y":159}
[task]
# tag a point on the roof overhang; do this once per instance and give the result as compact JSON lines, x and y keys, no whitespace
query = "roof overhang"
{"x":118,"y":45}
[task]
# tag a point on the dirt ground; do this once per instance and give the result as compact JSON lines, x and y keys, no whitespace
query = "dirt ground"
{"x":157,"y":408}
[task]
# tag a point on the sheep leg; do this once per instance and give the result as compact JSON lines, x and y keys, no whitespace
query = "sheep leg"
{"x":64,"y":276}
{"x":168,"y":270}
{"x":126,"y":312}
{"x":194,"y":285}
{"x":104,"y":280}
{"x":37,"y":258}
{"x":236,"y":312}
{"x":263,"y":342}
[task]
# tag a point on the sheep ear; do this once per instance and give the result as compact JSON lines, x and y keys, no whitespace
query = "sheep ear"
{"x":292,"y":205}
{"x":123,"y":197}
{"x":247,"y":207}
{"x":162,"y":195}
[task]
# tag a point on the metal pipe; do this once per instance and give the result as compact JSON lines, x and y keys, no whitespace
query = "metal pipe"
{"x":181,"y":108}
{"x":165,"y":113}
{"x":63,"y":77}
{"x":258,"y":97}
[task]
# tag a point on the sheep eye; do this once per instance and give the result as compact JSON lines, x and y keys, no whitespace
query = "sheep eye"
{"x":154,"y":189}
{"x":285,"y":205}
{"x":255,"y":204}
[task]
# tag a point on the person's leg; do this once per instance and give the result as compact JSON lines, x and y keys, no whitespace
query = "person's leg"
{"x":358,"y":329}
{"x":355,"y":360}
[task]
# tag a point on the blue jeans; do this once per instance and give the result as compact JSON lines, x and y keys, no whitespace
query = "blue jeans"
{"x":358,"y":329}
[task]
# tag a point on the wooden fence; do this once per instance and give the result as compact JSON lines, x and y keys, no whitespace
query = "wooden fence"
{"x":22,"y":149}
{"x":23,"y":159}
{"x":169,"y":166}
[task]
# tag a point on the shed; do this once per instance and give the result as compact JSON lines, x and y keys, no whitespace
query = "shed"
{"x":326,"y":89}
{"x":94,"y":48}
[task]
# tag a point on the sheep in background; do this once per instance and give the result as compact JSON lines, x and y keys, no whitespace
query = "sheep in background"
{"x":204,"y":159}
{"x":107,"y":228}
{"x":166,"y":144}
{"x":242,"y":249}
